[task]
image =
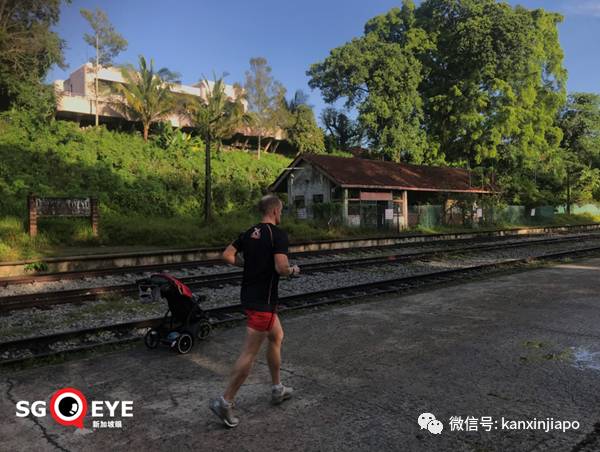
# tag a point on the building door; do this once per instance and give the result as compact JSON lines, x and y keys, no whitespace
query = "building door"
{"x":381,"y":206}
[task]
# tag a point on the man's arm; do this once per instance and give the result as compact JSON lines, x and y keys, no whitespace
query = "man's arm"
{"x":232,"y":257}
{"x":282,"y":265}
{"x":280,"y":250}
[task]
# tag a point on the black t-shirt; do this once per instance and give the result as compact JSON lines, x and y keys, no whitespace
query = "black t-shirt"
{"x":259,"y":244}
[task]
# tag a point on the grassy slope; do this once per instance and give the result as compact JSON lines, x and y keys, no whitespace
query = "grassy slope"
{"x":150,"y":196}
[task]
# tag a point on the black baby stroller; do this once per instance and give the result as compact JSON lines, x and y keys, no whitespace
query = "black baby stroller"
{"x":187,"y":321}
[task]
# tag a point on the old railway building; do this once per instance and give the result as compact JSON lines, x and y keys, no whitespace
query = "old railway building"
{"x":374,"y":193}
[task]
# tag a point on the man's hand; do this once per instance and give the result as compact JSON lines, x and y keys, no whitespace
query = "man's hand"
{"x":239,"y":260}
{"x":294,"y":271}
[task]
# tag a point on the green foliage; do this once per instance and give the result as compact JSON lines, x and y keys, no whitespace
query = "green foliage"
{"x":15,"y":243}
{"x":303,"y":131}
{"x":580,"y":124}
{"x":495,"y":79}
{"x":482,"y":79}
{"x":379,"y":74}
{"x":121,"y":232}
{"x":28,"y":48}
{"x":107,"y":44}
{"x":338,"y":153}
{"x":36,"y":267}
{"x":104,"y":39}
{"x":216,"y":117}
{"x":264,"y":95}
{"x":329,"y":213}
{"x":175,"y":140}
{"x":147,"y":97}
{"x":342,"y":132}
{"x":581,"y":218}
{"x":125,"y":173}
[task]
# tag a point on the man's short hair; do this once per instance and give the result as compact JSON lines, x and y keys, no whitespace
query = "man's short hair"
{"x":268,"y":203}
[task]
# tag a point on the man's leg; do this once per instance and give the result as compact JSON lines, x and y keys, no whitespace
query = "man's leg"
{"x":243,"y":365}
{"x":223,"y":406}
{"x":279,"y":393}
{"x":274,"y":350}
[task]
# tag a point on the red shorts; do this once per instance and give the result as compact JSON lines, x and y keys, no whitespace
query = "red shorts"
{"x":260,"y":321}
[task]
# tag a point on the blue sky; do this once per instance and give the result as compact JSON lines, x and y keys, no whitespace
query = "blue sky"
{"x":197,"y":38}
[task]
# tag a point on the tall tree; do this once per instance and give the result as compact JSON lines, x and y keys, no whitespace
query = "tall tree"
{"x":28,"y":48}
{"x":580,"y":124}
{"x":106,"y":41}
{"x":343,"y":131}
{"x":216,"y":117}
{"x":147,"y":95}
{"x":379,"y":75}
{"x":301,"y":126}
{"x":263,"y":93}
{"x":299,"y":98}
{"x":495,"y":80}
{"x":481,"y":79}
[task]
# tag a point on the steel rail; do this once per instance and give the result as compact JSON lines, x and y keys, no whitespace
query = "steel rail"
{"x":431,"y":239}
{"x":45,"y":299}
{"x":41,"y":346}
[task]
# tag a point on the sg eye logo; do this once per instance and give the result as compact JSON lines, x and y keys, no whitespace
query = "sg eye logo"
{"x":69,"y":406}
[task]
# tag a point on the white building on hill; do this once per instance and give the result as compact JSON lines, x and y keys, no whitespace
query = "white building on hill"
{"x":76,"y":100}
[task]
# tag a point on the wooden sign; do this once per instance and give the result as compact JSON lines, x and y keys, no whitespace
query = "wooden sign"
{"x":62,"y":207}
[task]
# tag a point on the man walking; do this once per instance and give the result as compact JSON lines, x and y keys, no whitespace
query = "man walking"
{"x":264,"y":248}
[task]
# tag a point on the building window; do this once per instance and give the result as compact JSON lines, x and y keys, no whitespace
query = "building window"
{"x":353,"y":193}
{"x":299,"y":202}
{"x":354,"y":208}
{"x":317,"y":199}
{"x":336,"y":193}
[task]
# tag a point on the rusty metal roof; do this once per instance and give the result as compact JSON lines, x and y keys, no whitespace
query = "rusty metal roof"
{"x":377,"y":174}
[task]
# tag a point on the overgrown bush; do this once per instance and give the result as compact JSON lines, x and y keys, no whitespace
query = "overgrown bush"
{"x":164,"y":177}
{"x":328,"y":213}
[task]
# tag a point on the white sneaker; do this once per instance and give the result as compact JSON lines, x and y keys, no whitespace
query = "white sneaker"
{"x":224,"y":411}
{"x":280,"y":393}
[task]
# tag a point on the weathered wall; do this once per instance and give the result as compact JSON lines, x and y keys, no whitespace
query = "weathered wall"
{"x":308,"y":181}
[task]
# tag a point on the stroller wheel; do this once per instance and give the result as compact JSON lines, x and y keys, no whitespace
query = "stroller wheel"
{"x":152,"y":338}
{"x":204,"y":330}
{"x":184,"y":344}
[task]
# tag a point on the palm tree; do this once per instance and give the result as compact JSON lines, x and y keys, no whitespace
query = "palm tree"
{"x":216,"y":117}
{"x":300,"y":98}
{"x":147,"y":94}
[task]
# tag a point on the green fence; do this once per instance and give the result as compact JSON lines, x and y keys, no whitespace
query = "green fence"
{"x":430,"y":215}
{"x":427,"y":215}
{"x":593,"y":209}
{"x":433,"y":215}
{"x":520,"y":215}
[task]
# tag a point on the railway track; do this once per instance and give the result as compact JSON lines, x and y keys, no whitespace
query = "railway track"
{"x":47,"y":299}
{"x":141,"y":269}
{"x":18,"y":351}
{"x":127,"y":263}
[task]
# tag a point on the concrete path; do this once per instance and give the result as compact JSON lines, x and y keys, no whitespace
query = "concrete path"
{"x":519,"y":347}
